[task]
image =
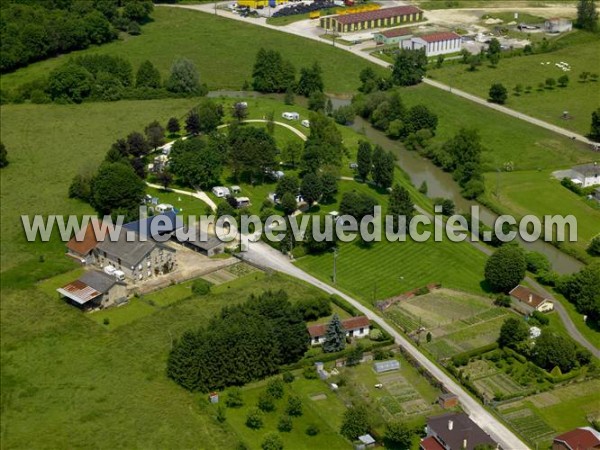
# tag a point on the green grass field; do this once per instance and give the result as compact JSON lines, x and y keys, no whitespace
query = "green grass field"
{"x":538,"y":193}
{"x":223,"y":50}
{"x":507,"y":139}
{"x":314,"y":412}
{"x":578,"y":98}
{"x":68,"y":381}
{"x":386,"y":269}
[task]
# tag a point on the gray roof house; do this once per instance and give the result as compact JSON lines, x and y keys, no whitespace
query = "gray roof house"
{"x":138,"y":259}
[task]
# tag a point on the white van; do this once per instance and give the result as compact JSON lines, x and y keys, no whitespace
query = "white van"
{"x":305,"y":123}
{"x":291,"y":115}
{"x":109,"y":270}
{"x":119,"y":275}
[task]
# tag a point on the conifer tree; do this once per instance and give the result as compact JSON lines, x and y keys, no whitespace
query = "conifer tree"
{"x":335,"y":336}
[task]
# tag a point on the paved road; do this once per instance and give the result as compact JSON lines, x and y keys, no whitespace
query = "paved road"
{"x":301,"y":29}
{"x":263,"y":255}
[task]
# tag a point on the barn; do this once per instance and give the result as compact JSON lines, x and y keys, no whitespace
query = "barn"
{"x":380,"y":18}
{"x":434,"y":44}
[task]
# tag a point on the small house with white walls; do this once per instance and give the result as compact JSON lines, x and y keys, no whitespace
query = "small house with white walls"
{"x":357,"y":327}
{"x":528,"y":301}
{"x":434,"y":44}
{"x":586,"y":175}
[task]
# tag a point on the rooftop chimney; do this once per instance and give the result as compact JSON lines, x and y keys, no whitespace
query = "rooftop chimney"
{"x":530,"y":298}
{"x":450,"y":425}
{"x":464,"y":443}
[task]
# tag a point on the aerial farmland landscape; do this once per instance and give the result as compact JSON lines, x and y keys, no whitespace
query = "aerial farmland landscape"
{"x":300,"y":224}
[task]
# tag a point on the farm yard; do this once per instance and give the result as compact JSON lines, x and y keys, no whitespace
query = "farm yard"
{"x":581,"y":52}
{"x":457,"y":321}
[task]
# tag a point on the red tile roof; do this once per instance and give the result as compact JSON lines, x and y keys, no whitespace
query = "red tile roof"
{"x":395,"y":32}
{"x":527,"y":296}
{"x":377,"y":14}
{"x":438,"y":37}
{"x":431,"y":443}
{"x":580,"y":439}
{"x":84,"y":242}
{"x":352,"y":323}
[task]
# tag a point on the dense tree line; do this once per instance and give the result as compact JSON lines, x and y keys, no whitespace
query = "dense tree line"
{"x":386,"y":111}
{"x":38,"y":29}
{"x":109,"y":78}
{"x":550,"y":351}
{"x":583,"y":290}
{"x":244,"y":343}
{"x":273,"y":73}
{"x":461,"y":155}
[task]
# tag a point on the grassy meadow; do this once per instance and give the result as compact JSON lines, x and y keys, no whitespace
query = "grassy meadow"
{"x":506,"y":139}
{"x":223,"y":50}
{"x":538,"y":193}
{"x":94,"y":386}
{"x":578,"y":98}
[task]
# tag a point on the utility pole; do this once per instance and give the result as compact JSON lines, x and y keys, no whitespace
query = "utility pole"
{"x":215,"y":8}
{"x":335,"y":255}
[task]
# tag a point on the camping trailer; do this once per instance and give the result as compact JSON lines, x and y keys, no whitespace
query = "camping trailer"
{"x":291,"y":115}
{"x":221,"y":191}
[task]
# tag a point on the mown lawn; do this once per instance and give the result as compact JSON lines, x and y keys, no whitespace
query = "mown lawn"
{"x":222,"y":49}
{"x":70,"y":382}
{"x":578,"y":98}
{"x":386,"y":268}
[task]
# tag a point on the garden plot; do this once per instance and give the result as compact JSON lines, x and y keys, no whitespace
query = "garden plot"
{"x":498,"y":384}
{"x":530,"y":425}
{"x":403,"y":398}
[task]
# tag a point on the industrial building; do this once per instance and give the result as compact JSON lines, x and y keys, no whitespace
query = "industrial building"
{"x":380,"y":18}
{"x":392,"y":36}
{"x":434,"y":44}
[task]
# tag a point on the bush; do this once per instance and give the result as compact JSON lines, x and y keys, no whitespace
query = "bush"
{"x":375,"y":335}
{"x":288,"y":377}
{"x":503,"y":301}
{"x":266,"y":402}
{"x":310,"y":373}
{"x":275,"y":388}
{"x":254,"y":419}
{"x":272,"y":441}
{"x":312,"y":430}
{"x":314,"y":308}
{"x":221,"y":417}
{"x":285,"y":424}
{"x":294,"y":406}
{"x":381,"y":354}
{"x":201,"y":287}
{"x":537,"y":262}
{"x":233,"y":399}
{"x":460,"y":360}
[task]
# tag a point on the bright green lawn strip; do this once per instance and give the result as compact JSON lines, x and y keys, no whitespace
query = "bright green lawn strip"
{"x":222,"y":49}
{"x":579,"y":99}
